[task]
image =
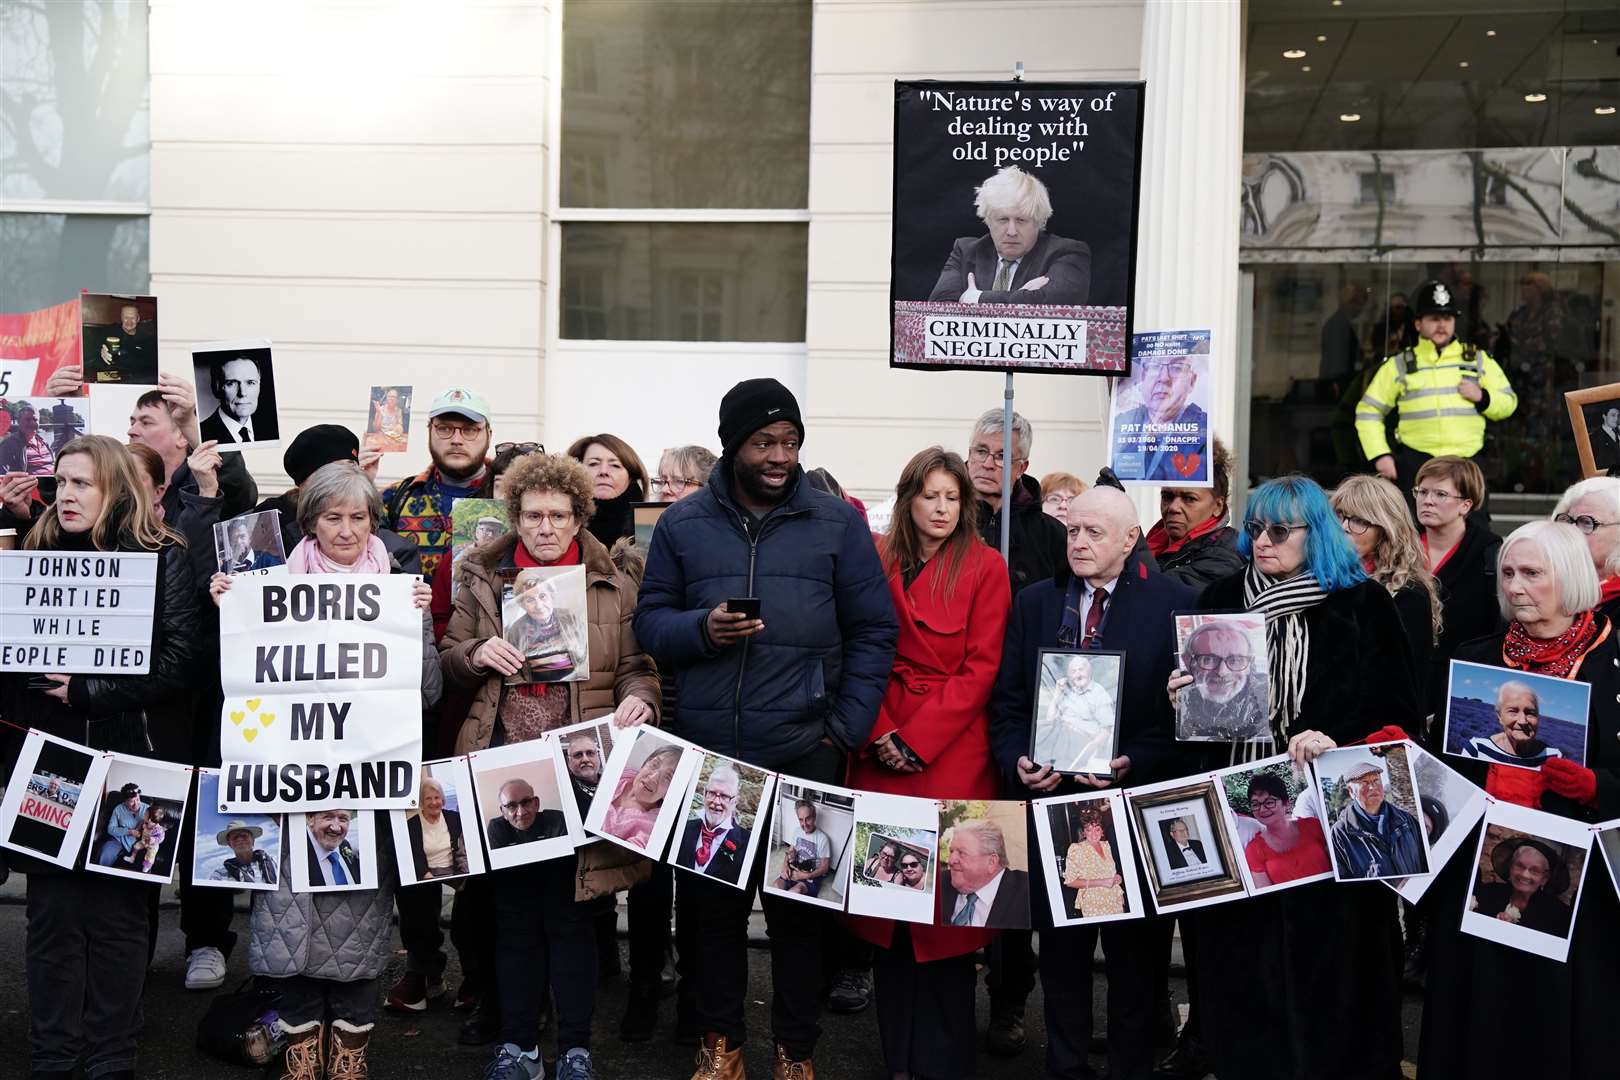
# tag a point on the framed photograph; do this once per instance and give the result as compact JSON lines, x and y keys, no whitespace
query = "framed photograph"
{"x":1515,"y":718}
{"x":582,"y":753}
{"x":251,"y":544}
{"x":1088,"y":859}
{"x":1186,"y":848}
{"x":543,"y":615}
{"x":236,"y":394}
{"x":50,"y":800}
{"x":36,"y":430}
{"x":1275,"y":825}
{"x":1230,"y":697}
{"x":120,"y":336}
{"x":811,"y":850}
{"x":1369,"y":800}
{"x":1076,"y":722}
{"x":1594,"y":420}
{"x":984,"y":864}
{"x":896,"y":844}
{"x":1451,"y":806}
{"x":138,"y":824}
{"x":640,"y":797}
{"x":388,"y":420}
{"x":233,"y":851}
{"x":439,"y":840}
{"x":521,"y":792}
{"x":1529,"y":868}
{"x":721,"y":828}
{"x":333,"y":850}
{"x":646,"y":515}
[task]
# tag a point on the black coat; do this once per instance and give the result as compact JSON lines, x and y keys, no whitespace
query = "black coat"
{"x":1204,"y":559}
{"x":723,"y":864}
{"x":1177,"y":859}
{"x":1469,"y":607}
{"x":1412,"y":605}
{"x":1568,"y":1006}
{"x":1010,"y":911}
{"x":1036,"y":542}
{"x":1066,"y":263}
{"x":1139,"y":624}
{"x":1359,"y":674}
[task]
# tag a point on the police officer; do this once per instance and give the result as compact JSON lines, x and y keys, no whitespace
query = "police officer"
{"x":1442,"y":389}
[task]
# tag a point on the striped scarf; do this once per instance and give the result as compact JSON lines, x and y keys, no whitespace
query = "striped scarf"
{"x":1288,"y":641}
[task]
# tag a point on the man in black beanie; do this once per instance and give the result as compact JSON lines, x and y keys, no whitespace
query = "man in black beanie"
{"x":792,"y":682}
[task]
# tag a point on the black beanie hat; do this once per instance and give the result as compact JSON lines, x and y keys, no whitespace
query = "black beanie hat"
{"x":317,"y":446}
{"x":753,"y":404}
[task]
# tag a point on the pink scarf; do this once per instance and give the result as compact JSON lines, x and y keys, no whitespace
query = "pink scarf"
{"x":307,"y":558}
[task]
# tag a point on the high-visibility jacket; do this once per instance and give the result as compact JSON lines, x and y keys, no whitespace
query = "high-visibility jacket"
{"x":1432,"y":416}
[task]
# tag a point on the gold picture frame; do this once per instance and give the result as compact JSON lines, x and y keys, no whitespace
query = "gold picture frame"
{"x":1174,"y":894}
{"x":1576,"y":402}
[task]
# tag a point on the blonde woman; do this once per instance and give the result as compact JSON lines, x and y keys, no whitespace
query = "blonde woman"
{"x":1374,"y":517}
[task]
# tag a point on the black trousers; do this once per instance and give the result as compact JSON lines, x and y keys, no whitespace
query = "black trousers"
{"x":305,"y":998}
{"x":472,"y":928}
{"x":924,"y":1010}
{"x":86,"y":968}
{"x":547,"y":942}
{"x":719,"y":917}
{"x":648,"y":908}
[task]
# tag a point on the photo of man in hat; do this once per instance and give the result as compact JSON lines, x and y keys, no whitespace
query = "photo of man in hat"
{"x":1372,"y":837}
{"x":1532,"y":876}
{"x":248,"y":863}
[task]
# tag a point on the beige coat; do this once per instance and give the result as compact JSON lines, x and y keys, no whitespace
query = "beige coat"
{"x":619,"y":669}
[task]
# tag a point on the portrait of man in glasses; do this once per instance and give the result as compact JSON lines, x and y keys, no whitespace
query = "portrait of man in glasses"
{"x":1162,"y":430}
{"x":1229,"y":697}
{"x":522,"y":821}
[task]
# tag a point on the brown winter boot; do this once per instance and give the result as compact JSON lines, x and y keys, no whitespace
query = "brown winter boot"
{"x":305,"y":1043}
{"x":348,"y":1060}
{"x":788,"y":1069}
{"x":717,"y":1061}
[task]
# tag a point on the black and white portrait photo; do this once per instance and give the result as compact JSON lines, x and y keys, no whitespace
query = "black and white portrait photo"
{"x":236,"y":393}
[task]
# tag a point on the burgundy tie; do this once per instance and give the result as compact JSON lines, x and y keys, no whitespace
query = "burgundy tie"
{"x":1094,"y":618}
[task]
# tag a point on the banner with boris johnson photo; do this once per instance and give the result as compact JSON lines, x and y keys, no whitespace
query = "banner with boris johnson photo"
{"x":322,"y":680}
{"x":1015,"y":231}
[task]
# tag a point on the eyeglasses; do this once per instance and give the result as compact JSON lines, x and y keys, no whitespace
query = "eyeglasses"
{"x":592,"y":752}
{"x":1585,"y":522}
{"x":1353,"y":525}
{"x":1209,"y":662}
{"x":453,"y":431}
{"x":1171,"y":368}
{"x":711,"y":793}
{"x":1263,"y":804}
{"x":1276,"y":532}
{"x":1437,"y":494}
{"x":982,"y":454}
{"x":521,"y":447}
{"x":1368,"y":780}
{"x":1060,"y":502}
{"x":558,"y":519}
{"x":513,"y":807}
{"x":673,"y":485}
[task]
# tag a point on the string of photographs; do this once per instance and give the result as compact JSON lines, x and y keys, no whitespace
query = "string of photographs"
{"x":1387,"y":812}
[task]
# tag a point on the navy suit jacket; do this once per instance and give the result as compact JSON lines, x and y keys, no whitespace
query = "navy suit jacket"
{"x":1066,"y":263}
{"x":1137,"y":623}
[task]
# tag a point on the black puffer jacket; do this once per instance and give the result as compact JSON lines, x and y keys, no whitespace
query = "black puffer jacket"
{"x":1036,"y":540}
{"x":1204,"y":559}
{"x":129,"y":714}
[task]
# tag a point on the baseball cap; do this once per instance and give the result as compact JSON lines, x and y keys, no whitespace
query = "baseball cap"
{"x":464,"y":402}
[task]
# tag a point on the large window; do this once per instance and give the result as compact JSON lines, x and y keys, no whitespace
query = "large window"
{"x":684,"y":171}
{"x":74,"y":150}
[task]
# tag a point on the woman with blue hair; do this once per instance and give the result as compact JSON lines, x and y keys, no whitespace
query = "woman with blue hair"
{"x":1341,"y":673}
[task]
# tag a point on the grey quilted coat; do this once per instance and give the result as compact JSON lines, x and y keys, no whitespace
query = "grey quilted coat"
{"x":344,"y":935}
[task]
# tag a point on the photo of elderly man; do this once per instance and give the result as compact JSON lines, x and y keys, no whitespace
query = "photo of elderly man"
{"x":981,"y":889}
{"x":333,"y":860}
{"x":1015,"y":261}
{"x":713,"y":842}
{"x":1229,"y":697}
{"x":1371,"y":836}
{"x":522,"y":821}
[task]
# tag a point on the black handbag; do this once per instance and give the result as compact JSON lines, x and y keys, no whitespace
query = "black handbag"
{"x":241,"y":1026}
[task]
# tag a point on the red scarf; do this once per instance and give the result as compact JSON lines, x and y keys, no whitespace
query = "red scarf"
{"x":1159,"y":542}
{"x":1559,"y":657}
{"x":570,"y":557}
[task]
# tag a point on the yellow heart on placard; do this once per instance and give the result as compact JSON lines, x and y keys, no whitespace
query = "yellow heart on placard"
{"x":237,"y":717}
{"x":266,"y":719}
{"x":250,"y":734}
{"x":253,"y":703}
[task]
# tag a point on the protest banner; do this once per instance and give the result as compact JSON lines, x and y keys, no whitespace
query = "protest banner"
{"x":33,"y":344}
{"x":322,"y":680}
{"x":1158,"y":419}
{"x":69,"y":613}
{"x":1015,"y":225}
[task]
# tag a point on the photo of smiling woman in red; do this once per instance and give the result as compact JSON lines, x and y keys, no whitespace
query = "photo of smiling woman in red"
{"x":932,"y":740}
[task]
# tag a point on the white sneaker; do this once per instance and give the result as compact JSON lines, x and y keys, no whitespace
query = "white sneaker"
{"x":205,"y":969}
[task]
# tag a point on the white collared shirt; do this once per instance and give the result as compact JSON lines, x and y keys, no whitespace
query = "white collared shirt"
{"x":986,"y":900}
{"x":235,"y":426}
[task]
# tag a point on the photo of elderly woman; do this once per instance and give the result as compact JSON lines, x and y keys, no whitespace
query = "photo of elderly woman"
{"x":388,"y":423}
{"x":1090,"y":868}
{"x":1510,"y":717}
{"x":633,"y":806}
{"x":543,"y":616}
{"x":1089,"y":865}
{"x":1274,"y":821}
{"x":436,"y":833}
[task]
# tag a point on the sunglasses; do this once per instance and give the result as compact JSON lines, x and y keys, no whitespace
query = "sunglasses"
{"x":521,"y":447}
{"x":1276,"y":532}
{"x":911,"y":866}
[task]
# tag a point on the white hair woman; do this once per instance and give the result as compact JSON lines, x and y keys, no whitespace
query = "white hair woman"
{"x":1548,"y":587}
{"x":1593,"y":506}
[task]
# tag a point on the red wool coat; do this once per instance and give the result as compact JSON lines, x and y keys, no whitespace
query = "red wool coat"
{"x":945,"y":664}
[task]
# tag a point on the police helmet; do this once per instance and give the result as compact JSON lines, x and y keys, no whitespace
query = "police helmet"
{"x":1435,"y":298}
